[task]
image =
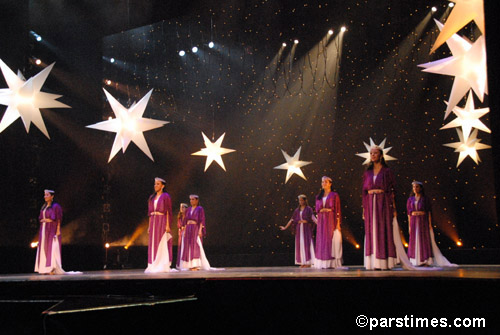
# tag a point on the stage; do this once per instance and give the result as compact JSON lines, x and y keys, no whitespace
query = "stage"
{"x":260,"y":299}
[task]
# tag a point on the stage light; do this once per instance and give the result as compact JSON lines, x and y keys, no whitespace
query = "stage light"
{"x":330,"y":32}
{"x":108,"y":82}
{"x":343,"y":29}
{"x":125,"y":247}
{"x":194,"y":49}
{"x":451,"y":5}
{"x":112,"y":60}
{"x":38,"y":61}
{"x":283,"y":45}
{"x":296,"y":41}
{"x":106,"y":245}
{"x":406,"y":245}
{"x":182,"y":53}
{"x":39,"y":38}
{"x":34,"y":244}
{"x":211,"y":45}
{"x":357,"y":246}
{"x":459,"y":243}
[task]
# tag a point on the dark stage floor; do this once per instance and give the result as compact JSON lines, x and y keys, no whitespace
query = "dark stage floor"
{"x":260,"y":300}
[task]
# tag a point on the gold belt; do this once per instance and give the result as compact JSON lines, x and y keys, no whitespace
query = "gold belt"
{"x":157,"y":213}
{"x":375,"y":191}
{"x":418,"y":213}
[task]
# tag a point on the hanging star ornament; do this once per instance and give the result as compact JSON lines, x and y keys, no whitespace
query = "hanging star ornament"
{"x":128,"y":125}
{"x":462,"y":13}
{"x":213,"y":151}
{"x":468,"y":146}
{"x":469,"y":70}
{"x":292,"y":165}
{"x":468,"y":118}
{"x":366,"y":155}
{"x":24,"y":99}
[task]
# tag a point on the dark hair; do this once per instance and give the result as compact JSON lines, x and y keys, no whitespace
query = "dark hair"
{"x":305,"y":199}
{"x":180,"y":213}
{"x":382,"y":160}
{"x":322,"y":192}
{"x":154,"y":194}
{"x":422,"y":193}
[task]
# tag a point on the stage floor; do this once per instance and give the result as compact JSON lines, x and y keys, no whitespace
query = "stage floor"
{"x":286,"y":272}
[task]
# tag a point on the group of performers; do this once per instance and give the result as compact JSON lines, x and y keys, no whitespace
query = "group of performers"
{"x":382,"y":245}
{"x":382,"y":238}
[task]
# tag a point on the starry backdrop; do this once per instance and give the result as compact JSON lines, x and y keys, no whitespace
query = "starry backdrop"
{"x":326,"y":94}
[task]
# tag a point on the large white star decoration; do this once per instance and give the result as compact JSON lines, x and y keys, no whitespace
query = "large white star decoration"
{"x":213,"y":151}
{"x":128,"y":125}
{"x":468,"y":118}
{"x":468,"y":147}
{"x":366,"y":155}
{"x":463,"y":12}
{"x":292,"y":165}
{"x":24,"y":99}
{"x":469,"y":70}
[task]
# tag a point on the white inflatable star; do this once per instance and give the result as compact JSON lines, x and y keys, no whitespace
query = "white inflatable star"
{"x":468,"y":146}
{"x":366,"y":155}
{"x":292,"y":165}
{"x":213,"y":151}
{"x":128,"y":125}
{"x":463,"y":12}
{"x":24,"y":99}
{"x":468,"y":118}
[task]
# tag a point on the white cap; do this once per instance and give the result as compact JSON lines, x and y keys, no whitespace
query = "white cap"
{"x":159,"y":179}
{"x":49,"y":191}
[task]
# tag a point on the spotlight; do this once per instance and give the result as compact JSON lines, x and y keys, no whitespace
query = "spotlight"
{"x":112,"y":60}
{"x":36,"y":36}
{"x":38,"y":61}
{"x":296,"y":41}
{"x":182,"y":53}
{"x":211,"y":45}
{"x":434,"y":9}
{"x":343,"y":29}
{"x":451,"y":5}
{"x":106,"y":245}
{"x":459,"y":243}
{"x":34,"y":244}
{"x":406,"y":245}
{"x":283,"y":45}
{"x":39,"y":38}
{"x":194,"y":49}
{"x":330,"y":32}
{"x":108,"y":82}
{"x":357,"y":246}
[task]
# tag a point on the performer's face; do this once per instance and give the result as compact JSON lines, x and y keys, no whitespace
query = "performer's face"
{"x":48,"y":197}
{"x":375,"y":155}
{"x":158,"y":186}
{"x":417,"y":188}
{"x":302,"y":202}
{"x":326,"y":184}
{"x":183,"y":209}
{"x":193,"y":201}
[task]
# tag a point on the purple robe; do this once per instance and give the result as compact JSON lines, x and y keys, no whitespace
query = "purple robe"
{"x":307,"y":214}
{"x":383,"y":213}
{"x":158,"y":224}
{"x":179,"y":242}
{"x":54,"y":212}
{"x":327,"y":223}
{"x":422,"y":222}
{"x":190,"y":248}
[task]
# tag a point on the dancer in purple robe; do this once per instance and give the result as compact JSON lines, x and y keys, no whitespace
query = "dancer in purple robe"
{"x":192,"y":256}
{"x":379,"y":209}
{"x":180,"y":218}
{"x":419,"y":221}
{"x":48,"y":254}
{"x":328,"y":250}
{"x":303,"y":219}
{"x":160,"y":239}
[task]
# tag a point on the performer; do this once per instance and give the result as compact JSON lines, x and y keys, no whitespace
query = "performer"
{"x":328,"y":238}
{"x":379,"y":209}
{"x":419,"y":226}
{"x":192,"y":256}
{"x":160,"y":239}
{"x":302,"y":220}
{"x":48,"y":254}
{"x":180,"y":217}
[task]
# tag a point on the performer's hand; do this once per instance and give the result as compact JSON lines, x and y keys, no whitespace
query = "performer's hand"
{"x":168,"y":229}
{"x":282,"y":228}
{"x":395,"y":214}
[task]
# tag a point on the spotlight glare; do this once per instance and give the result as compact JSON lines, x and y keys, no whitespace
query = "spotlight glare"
{"x":451,"y":5}
{"x":34,"y":244}
{"x":406,"y":245}
{"x":343,"y":29}
{"x":112,"y":60}
{"x":38,"y":61}
{"x":330,"y":32}
{"x":194,"y":49}
{"x":182,"y":53}
{"x":459,"y":243}
{"x":284,"y":44}
{"x":211,"y":45}
{"x":296,"y":41}
{"x":39,"y":38}
{"x":106,"y":245}
{"x":357,"y":246}
{"x":108,"y":82}
{"x":434,"y":9}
